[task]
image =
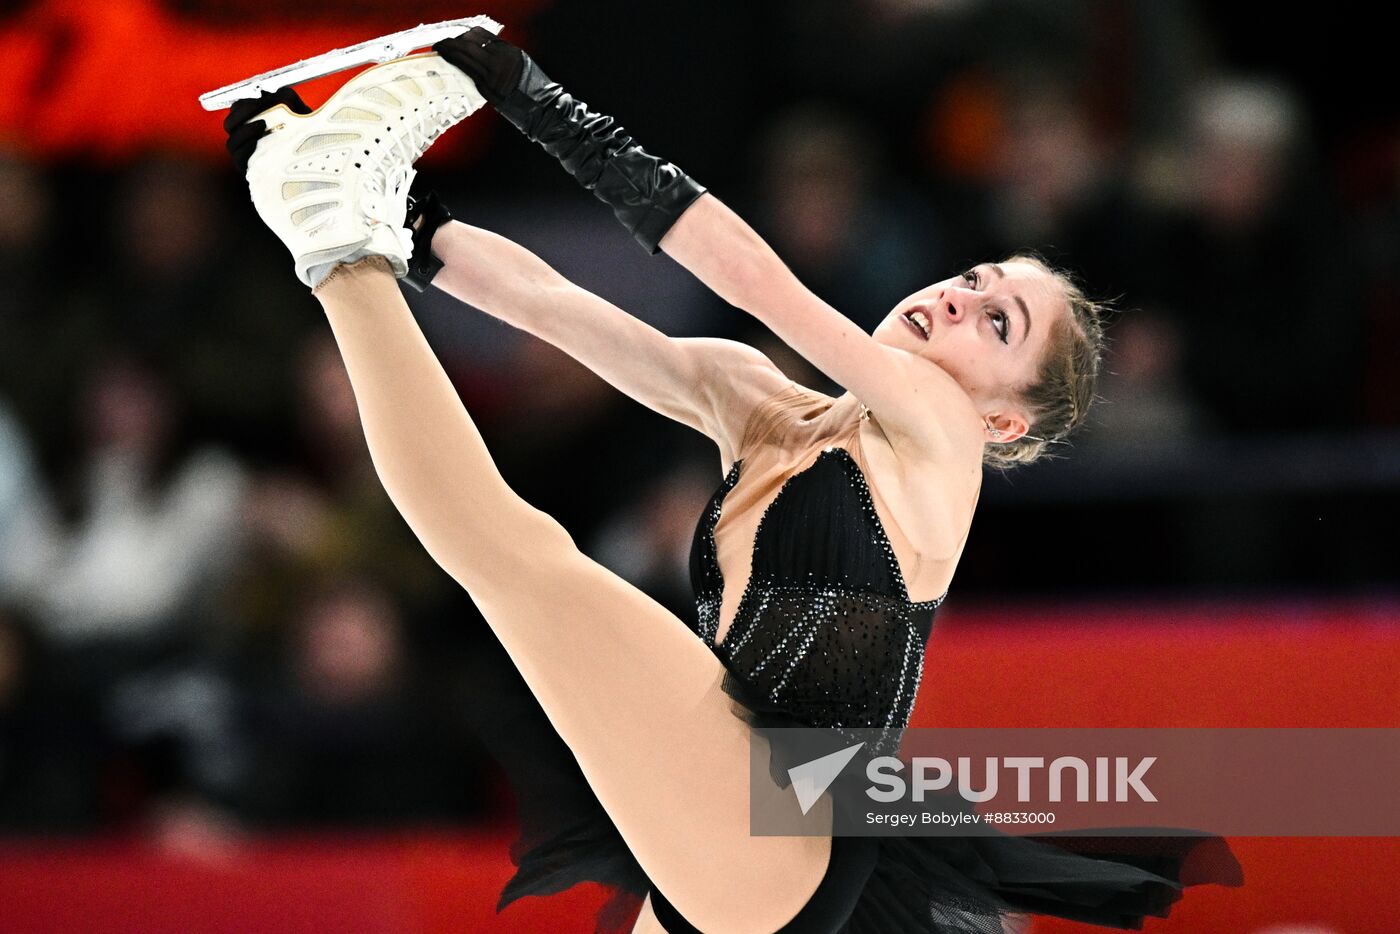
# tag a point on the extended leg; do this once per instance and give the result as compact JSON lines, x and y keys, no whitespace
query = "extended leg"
{"x":630,"y":689}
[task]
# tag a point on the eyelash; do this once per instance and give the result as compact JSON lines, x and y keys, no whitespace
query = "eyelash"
{"x":973,"y":278}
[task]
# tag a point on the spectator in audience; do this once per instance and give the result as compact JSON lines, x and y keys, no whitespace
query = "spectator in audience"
{"x":350,"y":733}
{"x":1252,"y":277}
{"x":834,"y":215}
{"x":1146,"y":404}
{"x":156,"y":525}
{"x":123,"y":594}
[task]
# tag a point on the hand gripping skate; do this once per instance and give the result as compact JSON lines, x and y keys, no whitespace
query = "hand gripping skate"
{"x":383,"y":49}
{"x":333,"y":183}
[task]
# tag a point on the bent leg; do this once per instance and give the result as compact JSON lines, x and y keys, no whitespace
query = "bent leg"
{"x":632,"y":691}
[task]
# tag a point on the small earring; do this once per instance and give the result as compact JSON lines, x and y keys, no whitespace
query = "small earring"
{"x":995,"y":432}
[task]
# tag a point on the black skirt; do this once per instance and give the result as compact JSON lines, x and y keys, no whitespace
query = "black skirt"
{"x":874,"y":885}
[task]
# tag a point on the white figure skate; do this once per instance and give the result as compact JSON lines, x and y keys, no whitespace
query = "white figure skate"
{"x":333,"y":184}
{"x":384,"y":49}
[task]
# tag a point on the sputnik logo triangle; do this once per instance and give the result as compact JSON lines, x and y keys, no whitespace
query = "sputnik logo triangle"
{"x":810,"y":779}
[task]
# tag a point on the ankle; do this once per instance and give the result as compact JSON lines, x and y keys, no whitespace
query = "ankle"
{"x":345,"y":272}
{"x":317,"y":275}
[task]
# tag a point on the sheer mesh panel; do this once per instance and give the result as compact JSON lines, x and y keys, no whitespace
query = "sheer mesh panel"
{"x":830,"y":657}
{"x":326,"y":141}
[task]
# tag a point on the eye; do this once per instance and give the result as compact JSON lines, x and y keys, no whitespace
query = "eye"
{"x":1002,"y":324}
{"x":999,"y":318}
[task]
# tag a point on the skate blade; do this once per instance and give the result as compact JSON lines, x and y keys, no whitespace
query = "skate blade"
{"x":384,"y":49}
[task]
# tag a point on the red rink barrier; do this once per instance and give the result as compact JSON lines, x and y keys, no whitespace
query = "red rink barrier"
{"x":1279,"y":665}
{"x":1336,"y":666}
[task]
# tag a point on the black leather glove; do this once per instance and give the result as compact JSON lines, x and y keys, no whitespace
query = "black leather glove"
{"x":490,"y":61}
{"x":244,"y":132}
{"x":648,"y":195}
{"x":429,"y":213}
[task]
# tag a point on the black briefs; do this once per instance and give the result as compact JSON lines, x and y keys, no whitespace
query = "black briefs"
{"x":829,"y":908}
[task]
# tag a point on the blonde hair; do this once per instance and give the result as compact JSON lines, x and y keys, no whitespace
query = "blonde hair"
{"x":1065,"y":384}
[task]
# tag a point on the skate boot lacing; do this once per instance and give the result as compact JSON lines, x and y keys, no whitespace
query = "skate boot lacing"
{"x":388,"y":164}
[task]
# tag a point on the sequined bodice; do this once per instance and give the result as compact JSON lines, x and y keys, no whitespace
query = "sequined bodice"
{"x":825,"y":627}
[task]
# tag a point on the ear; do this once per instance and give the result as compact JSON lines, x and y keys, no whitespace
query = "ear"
{"x":1005,"y":426}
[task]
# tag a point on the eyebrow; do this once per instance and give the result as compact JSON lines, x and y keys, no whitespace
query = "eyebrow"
{"x":1020,"y":303}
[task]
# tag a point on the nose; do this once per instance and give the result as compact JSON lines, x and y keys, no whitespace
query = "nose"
{"x":955,"y":304}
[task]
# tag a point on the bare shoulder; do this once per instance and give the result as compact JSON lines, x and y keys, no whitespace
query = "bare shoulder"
{"x":734,"y":379}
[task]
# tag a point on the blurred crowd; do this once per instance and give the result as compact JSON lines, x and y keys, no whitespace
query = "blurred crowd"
{"x":213,"y":619}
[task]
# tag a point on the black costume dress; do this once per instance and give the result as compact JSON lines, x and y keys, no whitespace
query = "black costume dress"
{"x":824,"y":634}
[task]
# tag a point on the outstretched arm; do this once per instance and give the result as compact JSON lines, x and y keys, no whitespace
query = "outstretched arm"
{"x":707,"y":383}
{"x":918,"y":404}
{"x":921,"y":407}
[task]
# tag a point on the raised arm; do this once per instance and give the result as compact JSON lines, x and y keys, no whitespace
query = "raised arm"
{"x":712,"y":385}
{"x":907,"y":393}
{"x":707,"y":383}
{"x":920,"y":407}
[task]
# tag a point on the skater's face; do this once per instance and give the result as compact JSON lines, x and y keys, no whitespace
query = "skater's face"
{"x":987,"y":327}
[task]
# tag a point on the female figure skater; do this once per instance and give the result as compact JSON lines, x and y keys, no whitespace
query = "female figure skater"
{"x":818,"y":563}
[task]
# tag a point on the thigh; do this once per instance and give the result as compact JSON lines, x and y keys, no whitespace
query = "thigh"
{"x":636,"y":696}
